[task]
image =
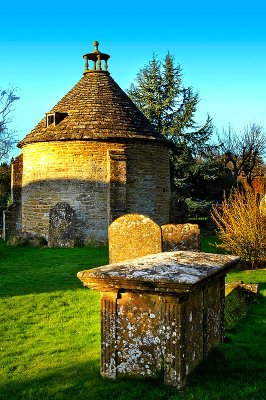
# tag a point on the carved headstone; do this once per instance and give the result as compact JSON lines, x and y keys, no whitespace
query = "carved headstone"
{"x":181,"y":237}
{"x":132,"y":236}
{"x":61,"y":226}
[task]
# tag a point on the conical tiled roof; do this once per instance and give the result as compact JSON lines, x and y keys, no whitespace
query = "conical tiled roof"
{"x":96,"y":108}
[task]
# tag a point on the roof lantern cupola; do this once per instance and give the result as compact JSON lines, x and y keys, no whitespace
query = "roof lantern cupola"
{"x":96,"y":57}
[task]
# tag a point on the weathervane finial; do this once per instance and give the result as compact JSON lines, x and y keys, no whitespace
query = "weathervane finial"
{"x":96,"y":44}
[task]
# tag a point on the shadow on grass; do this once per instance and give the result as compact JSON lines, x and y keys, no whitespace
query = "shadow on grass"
{"x":30,"y":270}
{"x":262,"y":288}
{"x":80,"y":382}
{"x":216,"y":378}
{"x":221,"y":376}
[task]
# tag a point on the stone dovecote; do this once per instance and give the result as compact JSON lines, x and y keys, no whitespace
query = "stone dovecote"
{"x":97,"y":152}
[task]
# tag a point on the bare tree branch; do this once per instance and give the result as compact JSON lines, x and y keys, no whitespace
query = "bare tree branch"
{"x":243,"y":152}
{"x":7,"y":137}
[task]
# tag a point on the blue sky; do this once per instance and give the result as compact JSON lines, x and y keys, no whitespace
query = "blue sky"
{"x":221,"y":47}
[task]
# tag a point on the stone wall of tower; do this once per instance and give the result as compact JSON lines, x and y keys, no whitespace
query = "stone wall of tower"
{"x":99,"y":180}
{"x":72,"y":172}
{"x":148,"y":181}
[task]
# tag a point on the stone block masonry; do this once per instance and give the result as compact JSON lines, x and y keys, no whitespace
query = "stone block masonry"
{"x":97,"y":152}
{"x":99,"y":180}
{"x":65,"y":172}
{"x":160,"y":314}
{"x":117,"y":176}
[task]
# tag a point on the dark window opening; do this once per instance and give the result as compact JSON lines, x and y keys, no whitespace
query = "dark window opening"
{"x":54,"y":118}
{"x":50,"y":119}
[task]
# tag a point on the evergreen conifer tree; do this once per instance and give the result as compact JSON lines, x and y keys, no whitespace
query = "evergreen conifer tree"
{"x":160,"y":95}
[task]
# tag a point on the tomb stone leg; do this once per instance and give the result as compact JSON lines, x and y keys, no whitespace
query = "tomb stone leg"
{"x":108,"y":334}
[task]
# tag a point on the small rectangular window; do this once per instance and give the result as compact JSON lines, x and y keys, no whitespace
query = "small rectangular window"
{"x":50,"y":119}
{"x":54,"y":118}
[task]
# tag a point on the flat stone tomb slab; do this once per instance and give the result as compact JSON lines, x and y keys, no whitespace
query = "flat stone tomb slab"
{"x":160,"y":314}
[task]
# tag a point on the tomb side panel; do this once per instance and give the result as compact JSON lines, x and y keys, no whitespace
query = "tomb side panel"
{"x":214,"y":298}
{"x":139,"y":351}
{"x":192,"y":330}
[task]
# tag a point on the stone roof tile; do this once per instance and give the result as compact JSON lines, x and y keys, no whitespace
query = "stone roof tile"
{"x":96,"y":108}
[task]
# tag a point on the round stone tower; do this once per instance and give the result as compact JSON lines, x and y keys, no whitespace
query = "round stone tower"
{"x":97,"y":152}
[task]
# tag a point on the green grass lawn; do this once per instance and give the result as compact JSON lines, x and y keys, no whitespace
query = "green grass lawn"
{"x":50,"y":336}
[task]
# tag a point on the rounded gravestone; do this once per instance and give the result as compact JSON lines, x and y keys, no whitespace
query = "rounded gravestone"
{"x":132,"y":236}
{"x":61,"y":226}
{"x":181,"y":237}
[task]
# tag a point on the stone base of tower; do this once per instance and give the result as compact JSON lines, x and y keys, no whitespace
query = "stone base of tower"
{"x":99,"y":180}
